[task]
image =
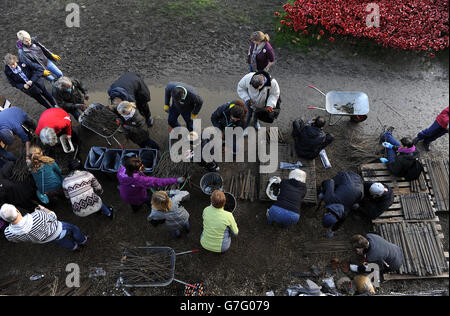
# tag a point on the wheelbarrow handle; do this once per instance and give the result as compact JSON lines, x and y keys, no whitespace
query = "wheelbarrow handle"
{"x":187,"y":252}
{"x":315,"y":108}
{"x":312,"y":87}
{"x":184,"y":283}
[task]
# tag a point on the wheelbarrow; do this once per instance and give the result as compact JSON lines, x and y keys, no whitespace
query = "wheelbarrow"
{"x":169,"y":266}
{"x":343,"y":103}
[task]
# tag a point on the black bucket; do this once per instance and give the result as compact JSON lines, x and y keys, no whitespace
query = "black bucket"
{"x":230,"y":205}
{"x":211,"y":182}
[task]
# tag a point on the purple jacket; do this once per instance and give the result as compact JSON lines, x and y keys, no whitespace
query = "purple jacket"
{"x":134,"y":190}
{"x":263,"y":58}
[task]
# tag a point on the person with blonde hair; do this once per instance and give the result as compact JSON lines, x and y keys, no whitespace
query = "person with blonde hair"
{"x":46,"y":173}
{"x":167,"y":209}
{"x":31,"y":51}
{"x":218,"y":225}
{"x":261,"y":56}
{"x":135,"y":126}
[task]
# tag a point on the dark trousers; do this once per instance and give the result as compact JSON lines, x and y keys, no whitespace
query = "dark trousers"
{"x":149,"y":143}
{"x":173,"y":118}
{"x":432,"y":133}
{"x":144,"y":109}
{"x":38,"y":92}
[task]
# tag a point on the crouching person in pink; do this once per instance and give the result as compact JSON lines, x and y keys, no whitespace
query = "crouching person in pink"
{"x":134,"y":183}
{"x":40,"y":227}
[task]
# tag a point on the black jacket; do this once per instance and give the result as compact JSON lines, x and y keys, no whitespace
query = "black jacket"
{"x":34,"y":72}
{"x":68,"y":101}
{"x":221,"y":118}
{"x":292,"y":192}
{"x":309,"y":140}
{"x":403,"y":162}
{"x":136,"y":128}
{"x":27,"y":56}
{"x":191,"y":104}
{"x":346,"y":188}
{"x":132,"y":88}
{"x":373,"y":207}
{"x":381,"y":251}
{"x":19,"y":194}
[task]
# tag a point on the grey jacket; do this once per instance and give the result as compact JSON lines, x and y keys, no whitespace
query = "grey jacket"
{"x":177,"y":216}
{"x":381,"y":251}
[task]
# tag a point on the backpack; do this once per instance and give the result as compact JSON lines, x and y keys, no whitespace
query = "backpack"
{"x":415,"y":171}
{"x":266,"y":116}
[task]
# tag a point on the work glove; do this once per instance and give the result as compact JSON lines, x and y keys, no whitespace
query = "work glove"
{"x":117,"y":122}
{"x":384,"y":160}
{"x":181,"y":180}
{"x":270,"y":110}
{"x":388,"y":145}
{"x":56,"y":57}
{"x":354,"y":268}
{"x":194,"y":116}
{"x":166,"y":108}
{"x":47,"y":73}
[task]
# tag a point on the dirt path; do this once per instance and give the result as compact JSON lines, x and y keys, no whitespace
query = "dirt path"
{"x":206,"y":47}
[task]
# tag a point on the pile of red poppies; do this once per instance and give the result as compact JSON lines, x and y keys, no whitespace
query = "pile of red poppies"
{"x":420,"y":25}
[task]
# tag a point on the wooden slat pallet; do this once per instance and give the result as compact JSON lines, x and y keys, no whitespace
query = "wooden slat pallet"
{"x":287,"y":154}
{"x":424,"y":255}
{"x":437,"y":179}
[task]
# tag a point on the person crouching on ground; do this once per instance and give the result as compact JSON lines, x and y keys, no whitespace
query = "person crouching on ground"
{"x":310,"y":139}
{"x":70,"y":95}
{"x":135,"y":126}
{"x":378,"y":198}
{"x":375,"y":249}
{"x":81,"y":187}
{"x":41,"y":227}
{"x":286,"y":211}
{"x":134,"y":183}
{"x":168,"y":210}
{"x":218,"y":225}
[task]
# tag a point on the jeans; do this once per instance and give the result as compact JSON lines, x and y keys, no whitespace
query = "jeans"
{"x":38,"y":92}
{"x":387,"y":137}
{"x":282,"y":216}
{"x":105,"y":210}
{"x":173,"y":118}
{"x":432,"y":133}
{"x":73,"y":237}
{"x":250,"y":115}
{"x":54,"y":70}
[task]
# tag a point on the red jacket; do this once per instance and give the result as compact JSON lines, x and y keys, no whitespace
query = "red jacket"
{"x":55,"y":118}
{"x":442,"y":118}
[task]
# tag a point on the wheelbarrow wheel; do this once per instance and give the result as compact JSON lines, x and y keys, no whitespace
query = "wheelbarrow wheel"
{"x":358,"y":118}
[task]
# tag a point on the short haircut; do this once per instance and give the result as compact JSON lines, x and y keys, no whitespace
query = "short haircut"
{"x":319,"y":122}
{"x":218,"y":199}
{"x":257,"y":81}
{"x":10,"y":58}
{"x":178,"y":93}
{"x":75,"y":165}
{"x":239,"y":110}
{"x":407,"y":142}
{"x":21,"y":35}
{"x":63,"y":82}
{"x":8,"y":213}
{"x":359,"y":241}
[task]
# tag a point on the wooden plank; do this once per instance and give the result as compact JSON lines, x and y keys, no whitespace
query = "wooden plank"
{"x":391,"y":277}
{"x":401,"y":219}
{"x":374,"y":166}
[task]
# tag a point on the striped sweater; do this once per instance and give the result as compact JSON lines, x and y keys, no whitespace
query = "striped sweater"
{"x":38,"y":227}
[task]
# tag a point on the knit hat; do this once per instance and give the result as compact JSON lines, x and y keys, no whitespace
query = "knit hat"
{"x":6,"y":136}
{"x":329,"y":220}
{"x":9,"y":213}
{"x":377,"y":189}
{"x":48,"y":136}
{"x":298,"y":175}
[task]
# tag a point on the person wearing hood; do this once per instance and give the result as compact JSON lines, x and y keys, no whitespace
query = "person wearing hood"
{"x":310,"y":139}
{"x":286,"y":210}
{"x":70,"y":95}
{"x":375,"y":249}
{"x":31,"y":51}
{"x":26,"y":77}
{"x":378,"y":198}
{"x":185,"y":102}
{"x":261,"y":95}
{"x":41,"y":227}
{"x":341,"y":195}
{"x":12,"y":122}
{"x":19,"y":193}
{"x":132,"y":88}
{"x":402,"y":157}
{"x":134,"y":183}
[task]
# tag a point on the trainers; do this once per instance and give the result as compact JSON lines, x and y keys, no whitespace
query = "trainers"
{"x":245,"y":134}
{"x":112,"y":213}
{"x":257,"y":125}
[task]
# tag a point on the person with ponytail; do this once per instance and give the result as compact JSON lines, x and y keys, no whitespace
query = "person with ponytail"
{"x":261,"y":56}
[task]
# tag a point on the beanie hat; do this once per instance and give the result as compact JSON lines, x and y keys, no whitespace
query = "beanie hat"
{"x":9,"y":213}
{"x":329,"y":220}
{"x":377,"y":189}
{"x":298,"y":175}
{"x":48,"y":136}
{"x":6,"y":136}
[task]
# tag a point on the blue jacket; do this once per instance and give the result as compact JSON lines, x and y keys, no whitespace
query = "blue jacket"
{"x":33,"y":71}
{"x":12,"y":119}
{"x":346,"y":188}
{"x":221,"y":118}
{"x":48,"y":178}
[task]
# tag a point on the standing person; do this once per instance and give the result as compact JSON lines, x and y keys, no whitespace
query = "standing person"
{"x":185,"y":102}
{"x":261,"y":95}
{"x":341,"y":195}
{"x":54,"y":123}
{"x":27,"y":78}
{"x":82,"y":188}
{"x":70,"y":95}
{"x":261,"y":56}
{"x":46,"y":174}
{"x":132,"y":88}
{"x":168,"y":210}
{"x":41,"y":227}
{"x":375,"y":249}
{"x":32,"y":51}
{"x":135,"y":126}
{"x":378,"y":198}
{"x":310,"y":139}
{"x":13,"y":120}
{"x":286,"y":210}
{"x":218,"y":225}
{"x":438,"y":129}
{"x":134,"y":183}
